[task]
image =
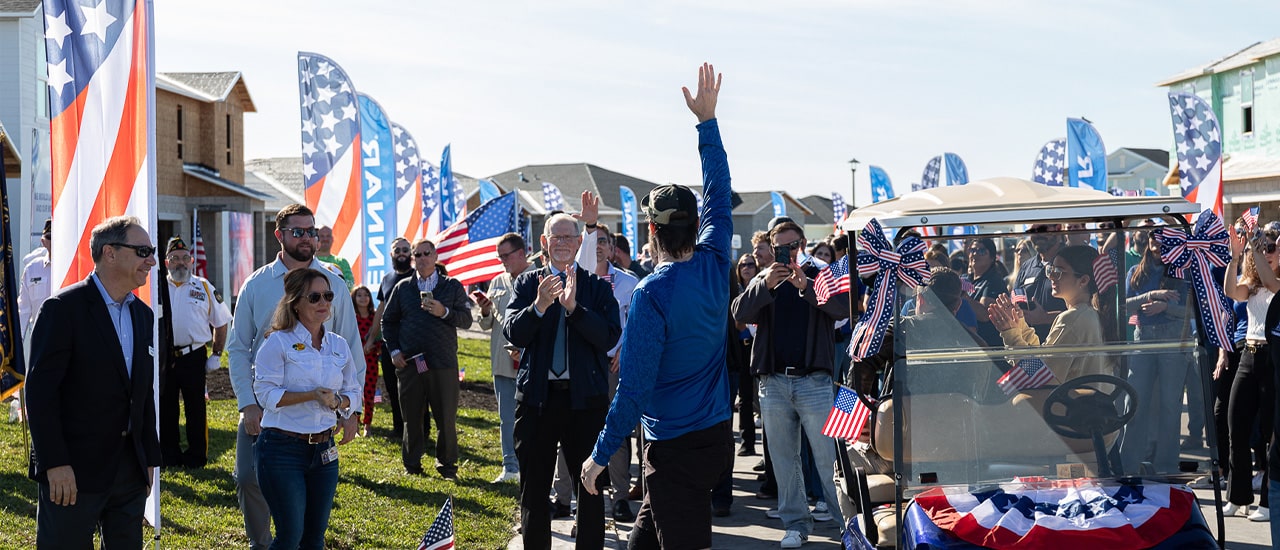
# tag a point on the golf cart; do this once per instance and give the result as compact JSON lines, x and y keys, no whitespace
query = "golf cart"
{"x":1046,"y":442}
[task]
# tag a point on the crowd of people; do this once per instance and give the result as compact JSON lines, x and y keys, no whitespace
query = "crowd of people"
{"x":591,"y":352}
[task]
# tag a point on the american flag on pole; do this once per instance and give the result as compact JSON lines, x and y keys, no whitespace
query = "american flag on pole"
{"x":1250,"y":217}
{"x":470,"y":247}
{"x":408,"y":184}
{"x":101,"y":99}
{"x":1026,"y":374}
{"x":837,"y":209}
{"x":832,"y":280}
{"x":848,"y":416}
{"x":440,"y":535}
{"x":431,"y":223}
{"x":1199,"y":144}
{"x":101,"y":66}
{"x":1105,"y":273}
{"x":1050,"y":163}
{"x":552,"y":199}
{"x":197,"y":246}
{"x":330,"y":155}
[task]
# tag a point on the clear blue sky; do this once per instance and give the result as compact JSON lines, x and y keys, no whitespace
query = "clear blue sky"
{"x":807,"y":85}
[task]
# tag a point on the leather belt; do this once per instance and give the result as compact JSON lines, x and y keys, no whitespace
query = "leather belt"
{"x":799,"y":371}
{"x":313,"y":439}
{"x":179,"y":352}
{"x":558,"y":385}
{"x":1254,"y":348}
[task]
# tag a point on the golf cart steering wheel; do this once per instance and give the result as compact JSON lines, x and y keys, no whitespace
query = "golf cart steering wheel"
{"x":1093,"y":413}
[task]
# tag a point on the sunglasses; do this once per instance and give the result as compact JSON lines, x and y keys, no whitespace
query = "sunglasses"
{"x":1270,"y":248}
{"x":299,"y":232}
{"x":1054,"y":272}
{"x":142,"y":250}
{"x":422,"y":254}
{"x":315,"y":297}
{"x":400,"y":250}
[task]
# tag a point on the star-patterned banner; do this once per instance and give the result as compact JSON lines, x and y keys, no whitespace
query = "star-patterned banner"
{"x":331,"y":171}
{"x":1198,"y":253}
{"x":1199,"y":146}
{"x":1050,"y":163}
{"x":408,"y":184}
{"x":877,"y":256}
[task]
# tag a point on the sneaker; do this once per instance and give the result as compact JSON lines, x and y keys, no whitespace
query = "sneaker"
{"x":759,"y":467}
{"x":1261,"y":514}
{"x":622,"y":512}
{"x":1230,"y":509}
{"x":820,"y":511}
{"x":1257,"y":482}
{"x":772,"y":513}
{"x":507,"y":476}
{"x":746,"y":449}
{"x":793,"y":539}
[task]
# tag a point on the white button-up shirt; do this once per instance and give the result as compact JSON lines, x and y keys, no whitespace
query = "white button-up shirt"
{"x":287,"y":362}
{"x":196,"y":312}
{"x":257,"y":302}
{"x":35,"y":289}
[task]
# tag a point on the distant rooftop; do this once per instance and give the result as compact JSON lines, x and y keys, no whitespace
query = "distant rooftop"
{"x":1242,"y":58}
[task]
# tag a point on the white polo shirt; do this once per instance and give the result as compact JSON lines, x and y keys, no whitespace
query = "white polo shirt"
{"x":196,"y":312}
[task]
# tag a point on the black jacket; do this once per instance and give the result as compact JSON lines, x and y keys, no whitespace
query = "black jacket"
{"x":592,"y":330}
{"x":85,"y":410}
{"x":410,"y":329}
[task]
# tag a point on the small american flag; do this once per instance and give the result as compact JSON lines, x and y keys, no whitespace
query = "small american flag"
{"x":832,"y":280}
{"x":197,"y":246}
{"x":440,"y":535}
{"x":1104,"y":270}
{"x":1026,"y":374}
{"x":1018,"y":296}
{"x":551,"y":197}
{"x":470,"y":247}
{"x":848,"y":416}
{"x":1250,"y":218}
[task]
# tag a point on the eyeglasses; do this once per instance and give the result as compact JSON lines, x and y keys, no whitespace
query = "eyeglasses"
{"x":561,"y":238}
{"x":299,"y":232}
{"x":423,"y":254}
{"x":315,"y":297}
{"x":751,"y":265}
{"x":178,"y":259}
{"x":505,"y":255}
{"x":1054,"y":272}
{"x":142,"y":250}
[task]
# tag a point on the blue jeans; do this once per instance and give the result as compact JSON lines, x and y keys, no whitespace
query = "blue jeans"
{"x":789,"y":403}
{"x":1273,"y":492}
{"x":1157,"y":420}
{"x":504,"y":389}
{"x":298,"y":488}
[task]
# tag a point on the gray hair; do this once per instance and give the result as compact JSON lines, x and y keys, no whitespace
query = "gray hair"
{"x":111,"y":230}
{"x":553,"y":220}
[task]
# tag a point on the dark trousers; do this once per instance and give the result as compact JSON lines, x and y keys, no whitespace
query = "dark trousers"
{"x":746,"y":390}
{"x":1251,"y":405}
{"x":681,"y":474}
{"x":1221,"y":400}
{"x":438,"y":390}
{"x":538,"y":432}
{"x":184,"y":379}
{"x":117,"y":512}
{"x":393,"y":392}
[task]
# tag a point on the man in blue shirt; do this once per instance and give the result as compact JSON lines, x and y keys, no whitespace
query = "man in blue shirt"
{"x":672,"y":361}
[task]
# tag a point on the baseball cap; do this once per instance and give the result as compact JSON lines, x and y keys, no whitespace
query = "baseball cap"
{"x":671,"y":204}
{"x":175,"y":243}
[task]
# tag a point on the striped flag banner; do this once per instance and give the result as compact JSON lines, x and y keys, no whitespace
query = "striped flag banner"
{"x":101,"y":66}
{"x":197,"y":247}
{"x":1105,"y":274}
{"x":408,"y":184}
{"x":1026,"y":374}
{"x":470,"y":247}
{"x":1250,"y":217}
{"x":832,"y":280}
{"x":848,"y":416}
{"x":331,"y":167}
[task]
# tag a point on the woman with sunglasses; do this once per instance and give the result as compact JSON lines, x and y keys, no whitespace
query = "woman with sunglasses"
{"x":304,"y":378}
{"x":1071,"y":279}
{"x":1251,"y":401}
{"x":1157,"y":302}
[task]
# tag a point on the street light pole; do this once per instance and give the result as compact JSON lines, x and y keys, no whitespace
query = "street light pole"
{"x":853,"y":186}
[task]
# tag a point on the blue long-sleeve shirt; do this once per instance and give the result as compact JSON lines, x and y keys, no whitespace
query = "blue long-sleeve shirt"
{"x":673,"y":376}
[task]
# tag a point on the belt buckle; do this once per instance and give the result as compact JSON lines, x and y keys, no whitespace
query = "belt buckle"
{"x":311,"y":438}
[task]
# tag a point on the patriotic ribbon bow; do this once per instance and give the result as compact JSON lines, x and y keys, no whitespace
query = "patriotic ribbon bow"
{"x":1198,"y":253}
{"x":876,"y":255}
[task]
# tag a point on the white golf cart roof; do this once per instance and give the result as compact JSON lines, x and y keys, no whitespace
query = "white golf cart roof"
{"x":1009,"y":201}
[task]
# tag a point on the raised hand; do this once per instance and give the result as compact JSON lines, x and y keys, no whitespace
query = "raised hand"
{"x":590,"y":208}
{"x":703,"y":104}
{"x":1004,"y":314}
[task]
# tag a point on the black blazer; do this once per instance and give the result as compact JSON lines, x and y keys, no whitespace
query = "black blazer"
{"x":591,"y":331}
{"x":85,"y":411}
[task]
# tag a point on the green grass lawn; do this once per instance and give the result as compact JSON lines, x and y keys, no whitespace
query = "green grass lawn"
{"x":377,"y":505}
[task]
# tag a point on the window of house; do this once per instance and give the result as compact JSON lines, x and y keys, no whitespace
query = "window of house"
{"x":179,"y":131}
{"x":1246,"y":102}
{"x":228,"y":139}
{"x":42,"y":84}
